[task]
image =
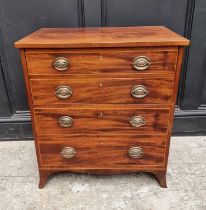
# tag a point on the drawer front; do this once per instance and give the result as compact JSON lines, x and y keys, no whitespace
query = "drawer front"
{"x":103,"y":152}
{"x":118,"y":119}
{"x":146,"y":90}
{"x":102,"y":61}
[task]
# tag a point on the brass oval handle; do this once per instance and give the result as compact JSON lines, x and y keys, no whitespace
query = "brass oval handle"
{"x":61,"y":64}
{"x":68,"y":152}
{"x":65,"y":121}
{"x":135,"y":152}
{"x":141,"y":63}
{"x":137,"y":121}
{"x":139,"y":91}
{"x":63,"y":92}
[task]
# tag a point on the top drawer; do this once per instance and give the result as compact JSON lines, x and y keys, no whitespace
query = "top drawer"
{"x":95,"y":61}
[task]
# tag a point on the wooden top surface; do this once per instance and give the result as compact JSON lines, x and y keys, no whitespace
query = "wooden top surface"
{"x":102,"y":37}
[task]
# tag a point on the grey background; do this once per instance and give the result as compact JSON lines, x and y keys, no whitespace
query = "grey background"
{"x":19,"y":18}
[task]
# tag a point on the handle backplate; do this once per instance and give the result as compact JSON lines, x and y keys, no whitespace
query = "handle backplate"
{"x":65,"y":121}
{"x":135,"y":152}
{"x":139,"y":91}
{"x":141,"y":63}
{"x":68,"y":152}
{"x":63,"y":92}
{"x":137,"y":121}
{"x":61,"y":64}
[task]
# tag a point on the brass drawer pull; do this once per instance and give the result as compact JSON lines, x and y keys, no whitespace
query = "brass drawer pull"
{"x":137,"y":121}
{"x":135,"y":152}
{"x":139,"y":91}
{"x":63,"y":92}
{"x":61,"y":64}
{"x":141,"y":63}
{"x":68,"y":152}
{"x":65,"y":121}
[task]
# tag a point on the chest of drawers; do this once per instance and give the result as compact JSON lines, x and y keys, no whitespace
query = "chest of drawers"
{"x":102,"y":99}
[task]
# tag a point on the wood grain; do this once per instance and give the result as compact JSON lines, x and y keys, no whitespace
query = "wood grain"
{"x":102,"y":90}
{"x":101,"y":121}
{"x":102,"y":152}
{"x":112,"y":61}
{"x":175,"y":91}
{"x":101,"y":77}
{"x":84,"y":138}
{"x":102,"y":37}
{"x":28,"y":91}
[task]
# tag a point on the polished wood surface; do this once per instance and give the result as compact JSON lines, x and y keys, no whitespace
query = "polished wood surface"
{"x":101,"y":78}
{"x":102,"y":37}
{"x":102,"y":153}
{"x":30,"y":102}
{"x":111,"y":120}
{"x":156,"y":140}
{"x":174,"y":97}
{"x":112,"y":61}
{"x":102,"y":90}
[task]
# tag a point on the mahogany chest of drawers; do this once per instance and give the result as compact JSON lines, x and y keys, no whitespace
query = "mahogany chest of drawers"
{"x":102,"y":99}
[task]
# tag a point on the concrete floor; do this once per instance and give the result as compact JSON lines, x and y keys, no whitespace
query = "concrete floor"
{"x":186,"y":183}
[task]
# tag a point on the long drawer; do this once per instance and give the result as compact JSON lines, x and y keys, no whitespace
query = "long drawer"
{"x":101,"y":119}
{"x":111,"y":61}
{"x":115,"y":151}
{"x":143,"y":90}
